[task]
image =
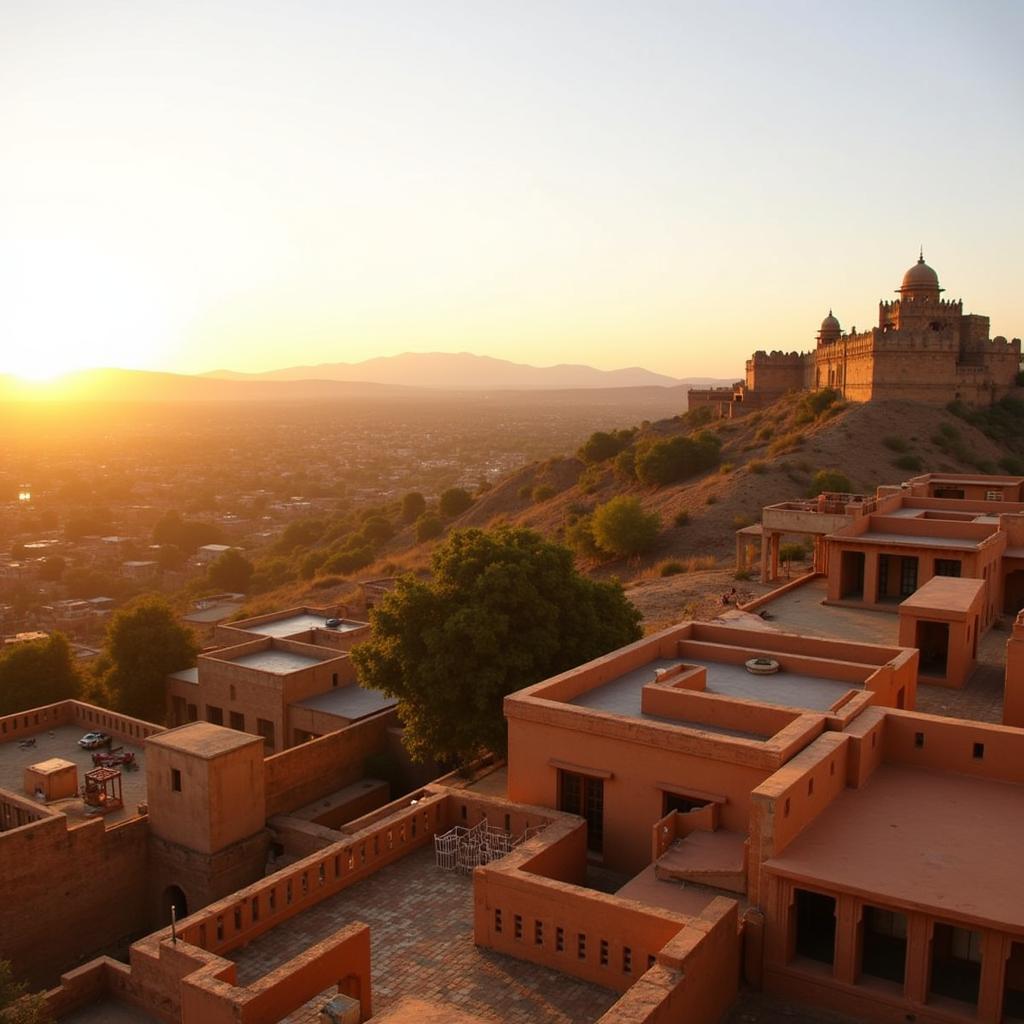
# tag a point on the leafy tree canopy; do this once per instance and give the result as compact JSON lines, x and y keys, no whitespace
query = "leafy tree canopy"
{"x":830,"y":480}
{"x":454,"y":502}
{"x":413,"y":506}
{"x":145,"y":643}
{"x":676,"y":458}
{"x":16,"y":1007}
{"x":503,"y":610}
{"x":36,"y":673}
{"x":232,"y":571}
{"x":622,"y":527}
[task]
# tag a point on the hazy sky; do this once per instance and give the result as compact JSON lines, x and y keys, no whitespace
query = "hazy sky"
{"x":249,"y":185}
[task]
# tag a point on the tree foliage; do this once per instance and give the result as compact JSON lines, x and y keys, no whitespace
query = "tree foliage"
{"x":413,"y":506}
{"x":603,"y":445}
{"x":622,"y":527}
{"x":36,"y":673}
{"x":504,"y":609}
{"x":671,"y":459}
{"x":186,"y":534}
{"x":454,"y":501}
{"x":830,"y":480}
{"x":145,"y":643}
{"x":232,"y":571}
{"x":16,"y":1006}
{"x":428,"y":527}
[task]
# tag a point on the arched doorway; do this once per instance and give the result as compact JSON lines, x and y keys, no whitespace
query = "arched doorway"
{"x":174,"y":899}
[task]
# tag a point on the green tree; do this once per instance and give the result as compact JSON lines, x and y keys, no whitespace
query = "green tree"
{"x":145,"y":643}
{"x":504,"y":609}
{"x":428,"y":527}
{"x":36,"y":673}
{"x":413,"y":506}
{"x":622,"y":527}
{"x":602,"y":445}
{"x":668,"y":460}
{"x":830,"y":480}
{"x":231,"y":571}
{"x":16,"y":1006}
{"x":454,"y":502}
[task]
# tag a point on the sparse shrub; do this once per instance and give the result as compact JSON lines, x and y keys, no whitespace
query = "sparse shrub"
{"x":726,"y":468}
{"x":757,"y":466}
{"x":701,"y":563}
{"x":625,"y":464}
{"x":591,"y":478}
{"x":811,"y":406}
{"x":792,"y":553}
{"x":739,"y":521}
{"x":765,"y":433}
{"x":712,"y":499}
{"x":787,"y":443}
{"x":742,"y":574}
{"x":671,"y":568}
{"x":542,"y":492}
{"x":524,"y":492}
{"x":622,"y":527}
{"x":579,"y":537}
{"x":830,"y":480}
{"x":701,"y":417}
{"x":896,"y":444}
{"x":909,"y":462}
{"x":681,"y":518}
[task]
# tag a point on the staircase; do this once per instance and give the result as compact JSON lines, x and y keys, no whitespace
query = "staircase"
{"x":717,"y":859}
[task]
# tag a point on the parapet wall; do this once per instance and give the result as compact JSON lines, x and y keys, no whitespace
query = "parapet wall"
{"x":75,"y":712}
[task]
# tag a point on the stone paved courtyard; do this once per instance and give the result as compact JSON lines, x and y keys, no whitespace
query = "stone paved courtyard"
{"x":421,"y":932}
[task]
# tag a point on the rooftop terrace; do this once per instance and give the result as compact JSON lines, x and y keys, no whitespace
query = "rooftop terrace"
{"x":274,"y":661}
{"x":900,"y":839}
{"x":421,"y":928}
{"x":622,"y":696}
{"x":62,"y":742}
{"x":293,"y":624}
{"x":350,"y":702}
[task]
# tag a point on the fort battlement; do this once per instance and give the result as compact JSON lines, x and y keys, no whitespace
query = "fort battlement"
{"x":925,"y":348}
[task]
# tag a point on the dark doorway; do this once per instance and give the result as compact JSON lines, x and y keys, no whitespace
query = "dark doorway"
{"x":1013,"y":988}
{"x":174,"y":899}
{"x":884,"y":944}
{"x":851,"y":575}
{"x":933,"y":643}
{"x":949,"y":492}
{"x":815,"y":926}
{"x":956,"y":963}
{"x":584,"y":795}
{"x":682,"y":804}
{"x":1013,"y":592}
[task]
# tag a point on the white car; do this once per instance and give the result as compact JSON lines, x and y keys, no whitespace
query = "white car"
{"x":92,"y":740}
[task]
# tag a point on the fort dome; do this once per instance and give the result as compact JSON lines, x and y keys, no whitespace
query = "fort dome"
{"x":830,"y":323}
{"x":920,"y":278}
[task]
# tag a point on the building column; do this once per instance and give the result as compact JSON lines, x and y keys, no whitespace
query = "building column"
{"x":919,"y":952}
{"x":766,"y":540}
{"x":776,"y":544}
{"x":994,"y":952}
{"x":871,"y":577}
{"x":741,"y":552}
{"x":848,"y":918}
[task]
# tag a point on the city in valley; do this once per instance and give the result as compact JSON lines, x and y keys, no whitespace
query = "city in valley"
{"x":417,"y":604}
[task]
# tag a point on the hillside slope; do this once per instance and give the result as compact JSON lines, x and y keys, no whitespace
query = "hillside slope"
{"x":768,"y":457}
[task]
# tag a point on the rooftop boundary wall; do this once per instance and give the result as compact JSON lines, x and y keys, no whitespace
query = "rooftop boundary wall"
{"x":91,"y":718}
{"x":302,"y":774}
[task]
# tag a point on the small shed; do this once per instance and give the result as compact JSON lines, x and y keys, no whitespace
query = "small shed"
{"x":55,"y":779}
{"x":943,"y":620}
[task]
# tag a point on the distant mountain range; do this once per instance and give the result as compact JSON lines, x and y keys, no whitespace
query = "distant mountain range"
{"x":409,"y":375}
{"x":456,"y":371}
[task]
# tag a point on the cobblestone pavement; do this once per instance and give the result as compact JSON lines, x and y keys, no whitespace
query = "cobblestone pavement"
{"x":421,"y":933}
{"x":757,"y":1008}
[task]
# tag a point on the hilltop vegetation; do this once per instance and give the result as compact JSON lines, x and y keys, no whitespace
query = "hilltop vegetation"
{"x":666,"y":497}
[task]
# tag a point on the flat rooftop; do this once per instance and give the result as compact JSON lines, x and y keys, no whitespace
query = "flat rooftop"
{"x":187,"y":675}
{"x":915,"y":540}
{"x":421,"y":937}
{"x":203,"y":739}
{"x":802,"y":611}
{"x":108,"y":1011}
{"x":62,"y":743}
{"x":787,"y":689}
{"x":350,"y":702}
{"x":278,"y":663}
{"x":297,"y":624}
{"x":938,"y":841}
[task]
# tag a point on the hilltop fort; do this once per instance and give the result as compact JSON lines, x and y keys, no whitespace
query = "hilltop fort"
{"x":924,"y":349}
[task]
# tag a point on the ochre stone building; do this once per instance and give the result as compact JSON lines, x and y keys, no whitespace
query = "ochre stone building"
{"x":925,"y":349}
